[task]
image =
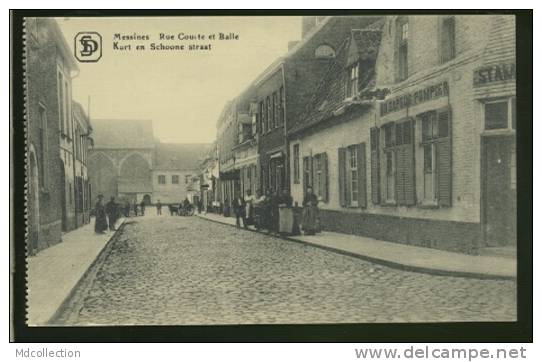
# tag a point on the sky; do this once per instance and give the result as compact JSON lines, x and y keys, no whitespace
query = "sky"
{"x":182,"y":92}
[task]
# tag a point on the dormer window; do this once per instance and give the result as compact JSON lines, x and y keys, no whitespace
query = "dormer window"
{"x":353,"y":81}
{"x":324,"y":52}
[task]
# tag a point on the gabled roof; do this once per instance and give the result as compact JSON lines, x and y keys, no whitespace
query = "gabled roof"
{"x":80,"y":114}
{"x":328,"y":99}
{"x":122,"y":133}
{"x":179,"y":156}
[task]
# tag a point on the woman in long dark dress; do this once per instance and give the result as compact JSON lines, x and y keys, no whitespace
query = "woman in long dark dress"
{"x":100,"y":224}
{"x":310,"y":212}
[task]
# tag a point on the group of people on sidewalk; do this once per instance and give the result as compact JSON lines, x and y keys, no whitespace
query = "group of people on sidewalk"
{"x":273,"y":212}
{"x":106,"y":215}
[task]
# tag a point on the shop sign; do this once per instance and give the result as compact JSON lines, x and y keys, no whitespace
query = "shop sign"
{"x":414,"y":98}
{"x":494,"y":73}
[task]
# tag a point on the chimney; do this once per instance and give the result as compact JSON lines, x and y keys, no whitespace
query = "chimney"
{"x":307,"y":23}
{"x":292,"y":44}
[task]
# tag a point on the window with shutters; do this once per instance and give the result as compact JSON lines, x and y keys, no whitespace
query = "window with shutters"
{"x":263,"y":122}
{"x":296,"y":163}
{"x":352,"y":174}
{"x":402,"y":49}
{"x":175,"y":179}
{"x":43,"y":147}
{"x":375,"y":166}
{"x":274,"y":110}
{"x":320,"y":176}
{"x":353,"y":81}
{"x":269,"y":114}
{"x":281,"y":106}
{"x":162,"y":179}
{"x":447,"y":39}
{"x":306,"y":173}
{"x":389,"y":164}
{"x":436,"y":153}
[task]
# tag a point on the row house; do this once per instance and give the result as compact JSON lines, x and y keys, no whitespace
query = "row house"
{"x":55,"y":202}
{"x":410,"y":137}
{"x":209,"y":173}
{"x":251,"y":131}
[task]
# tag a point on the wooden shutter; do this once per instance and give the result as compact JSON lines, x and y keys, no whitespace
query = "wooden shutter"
{"x":362,"y":176}
{"x":305,"y":174}
{"x":444,"y":161}
{"x":323,"y":163}
{"x":409,"y":167}
{"x":375,"y":166}
{"x":342,"y":177}
{"x":404,"y":164}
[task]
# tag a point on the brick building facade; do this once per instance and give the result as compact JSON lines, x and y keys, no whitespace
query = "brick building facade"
{"x":50,"y":134}
{"x":394,"y":148}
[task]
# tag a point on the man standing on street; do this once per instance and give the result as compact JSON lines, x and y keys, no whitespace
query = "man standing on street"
{"x":239,"y":210}
{"x":159,"y":207}
{"x":100,"y":224}
{"x":111,"y":211}
{"x":142,"y":204}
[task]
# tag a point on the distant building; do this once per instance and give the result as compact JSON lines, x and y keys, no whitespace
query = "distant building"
{"x":128,"y":163}
{"x":175,"y":172}
{"x":48,"y":74}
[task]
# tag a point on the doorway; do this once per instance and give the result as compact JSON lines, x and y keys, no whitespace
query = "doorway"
{"x":499,"y":198}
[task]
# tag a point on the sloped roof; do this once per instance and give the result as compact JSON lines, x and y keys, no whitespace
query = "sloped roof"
{"x":179,"y":156}
{"x":80,"y":114}
{"x":122,"y":133}
{"x":328,"y":99}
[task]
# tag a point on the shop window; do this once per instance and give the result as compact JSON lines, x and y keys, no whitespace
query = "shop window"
{"x":162,"y":179}
{"x":353,"y":81}
{"x":175,"y":179}
{"x":296,"y":163}
{"x":500,"y":114}
{"x":447,"y":39}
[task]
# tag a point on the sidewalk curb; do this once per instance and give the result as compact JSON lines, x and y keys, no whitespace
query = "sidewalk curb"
{"x":388,"y":263}
{"x":69,"y":296}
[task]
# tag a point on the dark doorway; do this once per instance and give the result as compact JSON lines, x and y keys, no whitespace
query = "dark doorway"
{"x":147,"y":199}
{"x":499,"y":218}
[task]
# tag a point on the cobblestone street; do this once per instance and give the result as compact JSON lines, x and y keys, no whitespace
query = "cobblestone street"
{"x":185,"y":270}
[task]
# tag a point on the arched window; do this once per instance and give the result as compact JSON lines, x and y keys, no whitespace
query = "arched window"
{"x":324,"y":52}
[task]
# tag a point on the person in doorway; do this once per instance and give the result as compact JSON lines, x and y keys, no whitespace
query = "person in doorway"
{"x":274,"y":212}
{"x":127,"y":208}
{"x":158,"y":207}
{"x":285,"y":213}
{"x":310,"y":212}
{"x":239,"y":210}
{"x":111,"y":210}
{"x":142,"y":205}
{"x":249,"y":208}
{"x":136,"y":209}
{"x":100,"y":225}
